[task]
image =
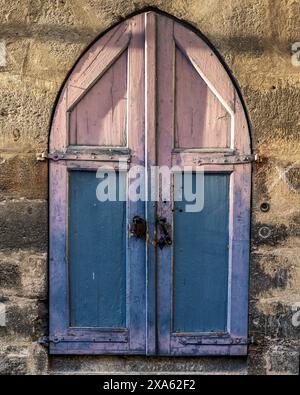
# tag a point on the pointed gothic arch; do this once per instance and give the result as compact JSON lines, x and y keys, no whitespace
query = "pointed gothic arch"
{"x":148,"y":92}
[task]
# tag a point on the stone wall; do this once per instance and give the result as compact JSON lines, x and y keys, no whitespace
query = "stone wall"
{"x":40,"y":40}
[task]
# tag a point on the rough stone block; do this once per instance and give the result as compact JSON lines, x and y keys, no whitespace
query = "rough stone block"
{"x":24,"y":273}
{"x":23,"y":224}
{"x":13,"y":363}
{"x":73,"y":364}
{"x":26,"y":319}
{"x":34,"y":276}
{"x":10,"y":276}
{"x":22,"y":177}
{"x":269,"y":271}
{"x":272,"y":113}
{"x":24,"y":122}
{"x":282,"y":360}
{"x":270,"y":234}
{"x":273,"y":320}
{"x":38,"y":359}
{"x":256,"y":362}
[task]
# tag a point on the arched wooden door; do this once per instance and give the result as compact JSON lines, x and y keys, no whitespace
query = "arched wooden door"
{"x":150,"y":92}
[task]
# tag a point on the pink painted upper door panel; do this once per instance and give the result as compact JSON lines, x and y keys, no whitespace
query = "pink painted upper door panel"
{"x":201,"y":121}
{"x":99,"y":118}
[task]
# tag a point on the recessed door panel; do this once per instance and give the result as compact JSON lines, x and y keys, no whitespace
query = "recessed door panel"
{"x":97,"y":255}
{"x":201,"y":259}
{"x":201,"y":119}
{"x":99,"y":118}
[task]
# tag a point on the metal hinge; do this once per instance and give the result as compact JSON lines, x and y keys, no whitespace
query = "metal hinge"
{"x":52,"y":156}
{"x":41,"y":156}
{"x":49,"y":156}
{"x":104,"y":156}
{"x":44,"y":341}
{"x":228,"y":159}
{"x":215,"y":340}
{"x":258,"y":158}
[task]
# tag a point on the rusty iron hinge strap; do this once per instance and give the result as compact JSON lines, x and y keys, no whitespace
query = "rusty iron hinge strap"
{"x":229,"y":160}
{"x":197,"y":340}
{"x":58,"y":156}
{"x":226,"y":160}
{"x":57,"y":340}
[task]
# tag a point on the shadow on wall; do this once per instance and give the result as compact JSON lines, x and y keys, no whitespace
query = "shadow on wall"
{"x":46,"y":32}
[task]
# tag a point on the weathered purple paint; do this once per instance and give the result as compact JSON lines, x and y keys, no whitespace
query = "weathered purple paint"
{"x":150,"y":41}
{"x":150,"y":140}
{"x":63,"y":338}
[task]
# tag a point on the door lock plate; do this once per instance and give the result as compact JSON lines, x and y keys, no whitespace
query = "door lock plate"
{"x":138,"y":227}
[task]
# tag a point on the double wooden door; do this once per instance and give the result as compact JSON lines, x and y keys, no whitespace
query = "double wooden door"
{"x":149,"y":276}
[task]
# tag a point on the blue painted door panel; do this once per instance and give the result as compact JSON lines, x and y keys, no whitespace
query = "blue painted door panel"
{"x":97,"y":255}
{"x":201,"y":259}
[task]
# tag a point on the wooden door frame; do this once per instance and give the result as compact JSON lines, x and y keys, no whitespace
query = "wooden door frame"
{"x":87,"y":71}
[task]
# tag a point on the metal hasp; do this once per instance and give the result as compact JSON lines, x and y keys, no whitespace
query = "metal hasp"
{"x":138,"y":227}
{"x":165,"y":238}
{"x":44,"y":341}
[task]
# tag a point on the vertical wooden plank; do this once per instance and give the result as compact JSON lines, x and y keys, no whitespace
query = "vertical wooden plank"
{"x":58,"y":134}
{"x":73,"y":122}
{"x":242,"y":135}
{"x":136,"y":255}
{"x":241,"y":193}
{"x":58,"y":294}
{"x":165,"y":138}
{"x":150,"y":154}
